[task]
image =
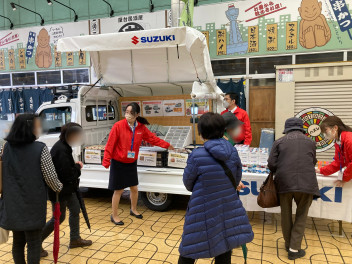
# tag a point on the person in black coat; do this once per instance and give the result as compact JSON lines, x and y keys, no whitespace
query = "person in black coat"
{"x":27,"y":170}
{"x":292,"y":160}
{"x":68,"y":172}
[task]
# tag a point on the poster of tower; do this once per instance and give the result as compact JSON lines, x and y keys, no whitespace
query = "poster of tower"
{"x":254,"y":27}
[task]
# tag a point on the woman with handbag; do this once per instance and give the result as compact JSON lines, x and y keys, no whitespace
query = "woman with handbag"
{"x":27,"y":170}
{"x":216,"y":221}
{"x":292,"y":160}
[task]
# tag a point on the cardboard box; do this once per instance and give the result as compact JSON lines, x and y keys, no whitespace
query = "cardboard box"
{"x":177,"y":160}
{"x":147,"y":158}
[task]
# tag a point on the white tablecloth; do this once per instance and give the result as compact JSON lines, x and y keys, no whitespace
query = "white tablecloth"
{"x":335,"y":203}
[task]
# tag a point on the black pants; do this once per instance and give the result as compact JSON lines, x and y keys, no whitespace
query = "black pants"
{"x":74,"y":208}
{"x":33,"y":241}
{"x":221,"y":259}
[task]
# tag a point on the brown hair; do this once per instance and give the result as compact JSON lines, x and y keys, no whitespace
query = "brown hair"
{"x":332,"y":121}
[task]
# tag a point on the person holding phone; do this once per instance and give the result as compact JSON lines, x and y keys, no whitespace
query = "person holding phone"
{"x":121,"y":153}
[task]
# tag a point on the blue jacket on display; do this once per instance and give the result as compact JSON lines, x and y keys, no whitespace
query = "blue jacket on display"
{"x":216,"y":221}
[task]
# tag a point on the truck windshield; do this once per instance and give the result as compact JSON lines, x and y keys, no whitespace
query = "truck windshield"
{"x":54,"y":118}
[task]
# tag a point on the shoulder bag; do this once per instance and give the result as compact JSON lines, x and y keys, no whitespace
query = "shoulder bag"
{"x":268,"y":196}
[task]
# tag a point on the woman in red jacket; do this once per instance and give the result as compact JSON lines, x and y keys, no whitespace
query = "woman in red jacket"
{"x":121,"y":153}
{"x":334,"y":129}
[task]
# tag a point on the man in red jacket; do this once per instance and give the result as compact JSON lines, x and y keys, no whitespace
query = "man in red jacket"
{"x":230,"y":103}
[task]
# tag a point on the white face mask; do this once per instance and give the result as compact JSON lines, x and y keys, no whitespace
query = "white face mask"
{"x":130,"y":118}
{"x":225,"y":104}
{"x":38,"y":132}
{"x":330,"y":135}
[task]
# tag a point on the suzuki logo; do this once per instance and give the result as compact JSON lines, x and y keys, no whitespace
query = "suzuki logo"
{"x":135,"y":40}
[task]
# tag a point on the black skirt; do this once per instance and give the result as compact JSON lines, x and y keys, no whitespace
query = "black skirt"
{"x":122,"y":175}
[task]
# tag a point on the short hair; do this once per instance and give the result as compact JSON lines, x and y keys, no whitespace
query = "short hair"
{"x":234,"y":96}
{"x":21,"y":131}
{"x":211,"y":126}
{"x":69,"y":129}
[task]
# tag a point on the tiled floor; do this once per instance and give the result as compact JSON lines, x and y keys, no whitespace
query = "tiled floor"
{"x":155,"y":239}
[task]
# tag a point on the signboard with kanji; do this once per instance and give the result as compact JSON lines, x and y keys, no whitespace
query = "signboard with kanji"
{"x":22,"y":58}
{"x":82,"y":58}
{"x":221,"y":41}
{"x":253,"y":39}
{"x":69,"y":59}
{"x":291,"y":35}
{"x":57,"y":56}
{"x":2,"y":60}
{"x":12,"y":62}
{"x":271,"y":37}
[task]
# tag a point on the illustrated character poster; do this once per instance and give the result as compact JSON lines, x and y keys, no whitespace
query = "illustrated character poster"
{"x":35,"y":48}
{"x":255,"y":27}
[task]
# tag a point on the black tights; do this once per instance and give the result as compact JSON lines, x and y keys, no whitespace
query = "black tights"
{"x":33,"y":241}
{"x":221,"y":259}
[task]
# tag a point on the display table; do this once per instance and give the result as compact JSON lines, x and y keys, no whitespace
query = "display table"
{"x":335,"y":202}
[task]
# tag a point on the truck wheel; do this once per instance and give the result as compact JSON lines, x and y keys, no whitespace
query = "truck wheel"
{"x":157,"y":201}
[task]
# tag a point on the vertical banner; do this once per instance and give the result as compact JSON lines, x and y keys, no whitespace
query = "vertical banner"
{"x":271,"y":37}
{"x":22,"y":58}
{"x":2,"y":60}
{"x":206,"y":34}
{"x":82,"y":57}
{"x":221,"y":42}
{"x":253,"y":39}
{"x":57,"y":56}
{"x":30,"y":45}
{"x":69,"y":59}
{"x":291,"y":35}
{"x":12,"y":59}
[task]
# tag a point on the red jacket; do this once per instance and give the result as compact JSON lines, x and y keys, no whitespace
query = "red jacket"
{"x":120,"y":139}
{"x":342,"y":159}
{"x":246,"y":134}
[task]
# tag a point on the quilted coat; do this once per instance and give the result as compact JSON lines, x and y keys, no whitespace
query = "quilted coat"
{"x":215,"y":221}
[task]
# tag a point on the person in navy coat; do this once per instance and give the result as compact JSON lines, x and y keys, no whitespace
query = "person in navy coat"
{"x":216,"y":221}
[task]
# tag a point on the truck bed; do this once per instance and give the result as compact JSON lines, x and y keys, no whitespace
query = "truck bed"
{"x":151,"y":179}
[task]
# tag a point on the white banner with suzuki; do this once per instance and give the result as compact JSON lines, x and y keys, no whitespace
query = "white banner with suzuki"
{"x":172,"y":55}
{"x":335,"y":202}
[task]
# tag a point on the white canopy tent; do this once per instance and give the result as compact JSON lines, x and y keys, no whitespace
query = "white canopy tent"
{"x":150,"y":62}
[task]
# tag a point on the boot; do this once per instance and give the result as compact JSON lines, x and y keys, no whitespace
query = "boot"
{"x":80,"y":243}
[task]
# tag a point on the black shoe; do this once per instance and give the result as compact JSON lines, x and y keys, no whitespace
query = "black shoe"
{"x":43,"y":253}
{"x":136,"y":216}
{"x":295,"y":255}
{"x":116,"y":223}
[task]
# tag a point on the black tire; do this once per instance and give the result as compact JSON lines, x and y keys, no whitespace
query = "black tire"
{"x":157,"y":201}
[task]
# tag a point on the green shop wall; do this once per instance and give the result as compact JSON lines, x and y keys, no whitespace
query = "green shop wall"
{"x":85,"y":9}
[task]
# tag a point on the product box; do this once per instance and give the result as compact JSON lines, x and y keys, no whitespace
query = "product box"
{"x":147,"y":158}
{"x":177,"y":160}
{"x":93,"y":156}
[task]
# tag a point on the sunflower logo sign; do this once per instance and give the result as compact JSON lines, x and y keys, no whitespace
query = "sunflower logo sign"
{"x":312,"y":119}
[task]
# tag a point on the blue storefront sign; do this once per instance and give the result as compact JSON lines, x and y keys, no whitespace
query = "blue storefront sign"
{"x":30,"y":45}
{"x":342,"y":15}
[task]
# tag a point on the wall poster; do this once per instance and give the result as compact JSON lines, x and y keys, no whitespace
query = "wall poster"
{"x":256,"y":27}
